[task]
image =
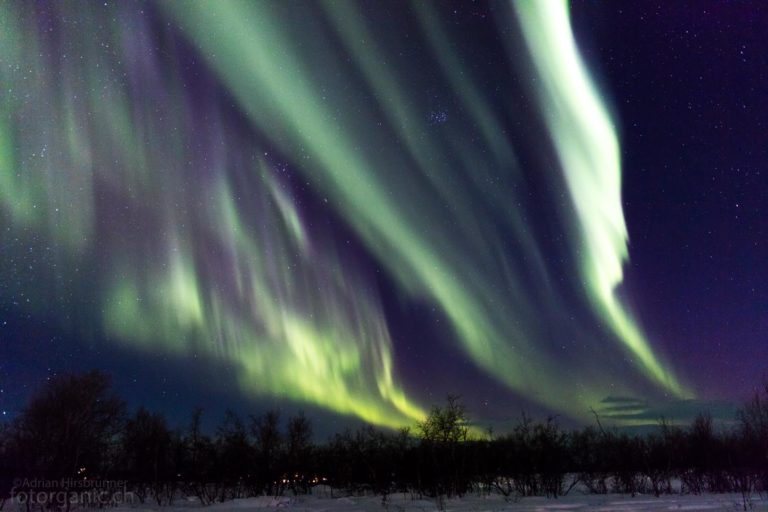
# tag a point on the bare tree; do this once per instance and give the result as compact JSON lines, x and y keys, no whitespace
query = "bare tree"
{"x":299,"y":448}
{"x":70,"y":427}
{"x":269,"y":446}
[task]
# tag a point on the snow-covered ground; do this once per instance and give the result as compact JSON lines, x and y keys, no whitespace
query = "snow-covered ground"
{"x":324,"y":499}
{"x":400,"y":503}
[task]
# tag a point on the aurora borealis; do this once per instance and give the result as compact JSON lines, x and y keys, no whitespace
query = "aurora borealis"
{"x":270,"y":185}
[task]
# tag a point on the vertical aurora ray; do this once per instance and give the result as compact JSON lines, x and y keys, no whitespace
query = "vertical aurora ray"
{"x":588,"y":150}
{"x":196,"y":243}
{"x":158,"y":157}
{"x":306,"y":98}
{"x":351,"y":165}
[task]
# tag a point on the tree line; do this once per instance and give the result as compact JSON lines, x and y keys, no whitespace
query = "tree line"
{"x":76,"y":427}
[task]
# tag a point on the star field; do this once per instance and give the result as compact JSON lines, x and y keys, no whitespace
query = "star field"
{"x":358,"y":207}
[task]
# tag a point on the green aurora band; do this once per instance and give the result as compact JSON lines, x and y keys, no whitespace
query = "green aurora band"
{"x":196,"y":252}
{"x":197,"y":243}
{"x":588,"y":149}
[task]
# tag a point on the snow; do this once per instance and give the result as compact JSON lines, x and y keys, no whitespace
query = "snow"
{"x":407,"y":503}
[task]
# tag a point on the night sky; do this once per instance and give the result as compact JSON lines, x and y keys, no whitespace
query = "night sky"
{"x":356,"y":208}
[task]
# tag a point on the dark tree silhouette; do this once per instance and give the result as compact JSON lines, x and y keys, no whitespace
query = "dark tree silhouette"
{"x":149,"y":449}
{"x":269,"y":446}
{"x":299,"y":468}
{"x":235,"y":457}
{"x":199,"y":461}
{"x":74,"y":427}
{"x":444,"y":433}
{"x":69,"y":428}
